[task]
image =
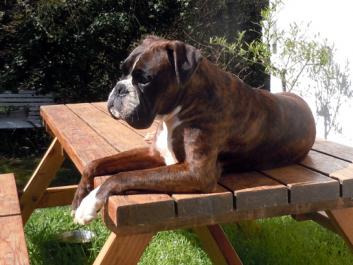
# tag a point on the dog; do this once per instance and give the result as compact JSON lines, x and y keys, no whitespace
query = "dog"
{"x":211,"y":122}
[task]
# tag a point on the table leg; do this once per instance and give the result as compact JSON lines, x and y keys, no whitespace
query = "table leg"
{"x":343,"y":221}
{"x":41,"y":178}
{"x":217,"y":245}
{"x":124,"y":250}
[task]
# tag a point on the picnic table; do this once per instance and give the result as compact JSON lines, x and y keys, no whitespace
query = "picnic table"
{"x":319,"y":188}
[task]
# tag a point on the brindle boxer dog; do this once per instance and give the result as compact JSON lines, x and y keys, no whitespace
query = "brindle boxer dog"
{"x":211,"y":122}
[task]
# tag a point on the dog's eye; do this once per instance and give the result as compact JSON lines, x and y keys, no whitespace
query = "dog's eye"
{"x":141,"y":77}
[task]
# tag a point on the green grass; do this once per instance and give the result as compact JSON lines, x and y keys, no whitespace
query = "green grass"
{"x":270,"y":241}
{"x":276,"y":241}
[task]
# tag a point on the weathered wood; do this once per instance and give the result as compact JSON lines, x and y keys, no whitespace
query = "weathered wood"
{"x":323,"y":163}
{"x":305,"y":185}
{"x":217,"y":245}
{"x":345,"y":177}
{"x":13,"y":250}
{"x":333,"y":167}
{"x":102,"y":106}
{"x":138,"y":209}
{"x":253,"y":190}
{"x":125,"y":250}
{"x":204,"y":204}
{"x":318,"y":217}
{"x":334,"y":149}
{"x":119,"y":136}
{"x":79,"y":140}
{"x":41,"y":178}
{"x":57,"y":196}
{"x":8,"y":196}
{"x":343,"y":221}
{"x":234,"y":216}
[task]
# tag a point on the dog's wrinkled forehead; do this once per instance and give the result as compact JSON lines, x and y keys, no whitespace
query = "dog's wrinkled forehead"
{"x":147,"y":49}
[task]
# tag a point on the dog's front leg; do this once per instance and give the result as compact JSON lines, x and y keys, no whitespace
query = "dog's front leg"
{"x":139,"y":158}
{"x":178,"y":178}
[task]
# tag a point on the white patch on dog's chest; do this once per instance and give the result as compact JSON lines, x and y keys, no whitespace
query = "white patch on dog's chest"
{"x":164,"y":139}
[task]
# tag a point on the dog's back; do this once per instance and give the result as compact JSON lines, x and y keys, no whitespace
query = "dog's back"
{"x":274,"y":130}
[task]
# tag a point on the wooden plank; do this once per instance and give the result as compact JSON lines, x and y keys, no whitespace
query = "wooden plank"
{"x":118,"y":135}
{"x":79,"y":140}
{"x":305,"y":185}
{"x":320,"y":218}
{"x":333,"y":167}
{"x":138,"y":209}
{"x":217,"y":245}
{"x":102,"y":106}
{"x":204,"y":204}
{"x":57,"y":196}
{"x":323,"y":163}
{"x":345,"y":176}
{"x":125,"y":250}
{"x":253,"y":190}
{"x":13,"y":250}
{"x":230,"y":217}
{"x":41,"y":178}
{"x":8,"y":195}
{"x":343,"y":221}
{"x":334,"y":149}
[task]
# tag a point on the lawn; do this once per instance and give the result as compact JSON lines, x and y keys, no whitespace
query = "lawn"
{"x":269,"y":241}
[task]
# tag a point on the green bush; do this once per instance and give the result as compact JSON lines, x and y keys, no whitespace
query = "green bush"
{"x":74,"y":48}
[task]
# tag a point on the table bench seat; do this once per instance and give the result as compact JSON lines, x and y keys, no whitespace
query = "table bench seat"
{"x":13,"y":250}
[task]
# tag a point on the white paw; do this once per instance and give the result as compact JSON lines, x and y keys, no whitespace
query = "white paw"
{"x":88,"y":208}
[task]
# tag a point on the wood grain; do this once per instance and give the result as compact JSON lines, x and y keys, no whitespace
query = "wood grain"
{"x":217,"y":245}
{"x":8,"y":195}
{"x":102,"y":106}
{"x":253,"y":190}
{"x":57,"y":196}
{"x":343,"y":221}
{"x":323,"y":163}
{"x":334,"y":149}
{"x":204,"y":204}
{"x":137,"y":209}
{"x":13,"y":250}
{"x":115,"y":133}
{"x":345,"y":177}
{"x":231,"y":217}
{"x":125,"y":250}
{"x":41,"y":178}
{"x":79,"y":140}
{"x":305,"y":185}
{"x":333,"y":167}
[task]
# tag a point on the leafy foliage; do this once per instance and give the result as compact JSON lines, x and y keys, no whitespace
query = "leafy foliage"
{"x":293,"y":56}
{"x":74,"y":48}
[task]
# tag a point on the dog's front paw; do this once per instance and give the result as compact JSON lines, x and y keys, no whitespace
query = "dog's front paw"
{"x":87,"y":211}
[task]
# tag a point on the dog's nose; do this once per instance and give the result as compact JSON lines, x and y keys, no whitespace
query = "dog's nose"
{"x":120,"y":89}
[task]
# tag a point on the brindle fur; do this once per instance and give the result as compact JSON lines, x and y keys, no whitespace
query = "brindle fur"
{"x":226,"y":126}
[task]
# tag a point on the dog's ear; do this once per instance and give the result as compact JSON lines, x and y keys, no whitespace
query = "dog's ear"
{"x":185,"y":59}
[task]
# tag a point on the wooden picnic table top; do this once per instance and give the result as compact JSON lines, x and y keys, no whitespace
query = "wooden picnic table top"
{"x":322,"y":181}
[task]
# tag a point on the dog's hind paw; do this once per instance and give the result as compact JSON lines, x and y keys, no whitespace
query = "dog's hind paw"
{"x":87,"y":211}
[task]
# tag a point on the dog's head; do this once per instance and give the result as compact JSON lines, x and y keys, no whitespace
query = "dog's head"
{"x":154,"y":76}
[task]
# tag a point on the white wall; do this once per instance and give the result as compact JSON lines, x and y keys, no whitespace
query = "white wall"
{"x":334,"y":21}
